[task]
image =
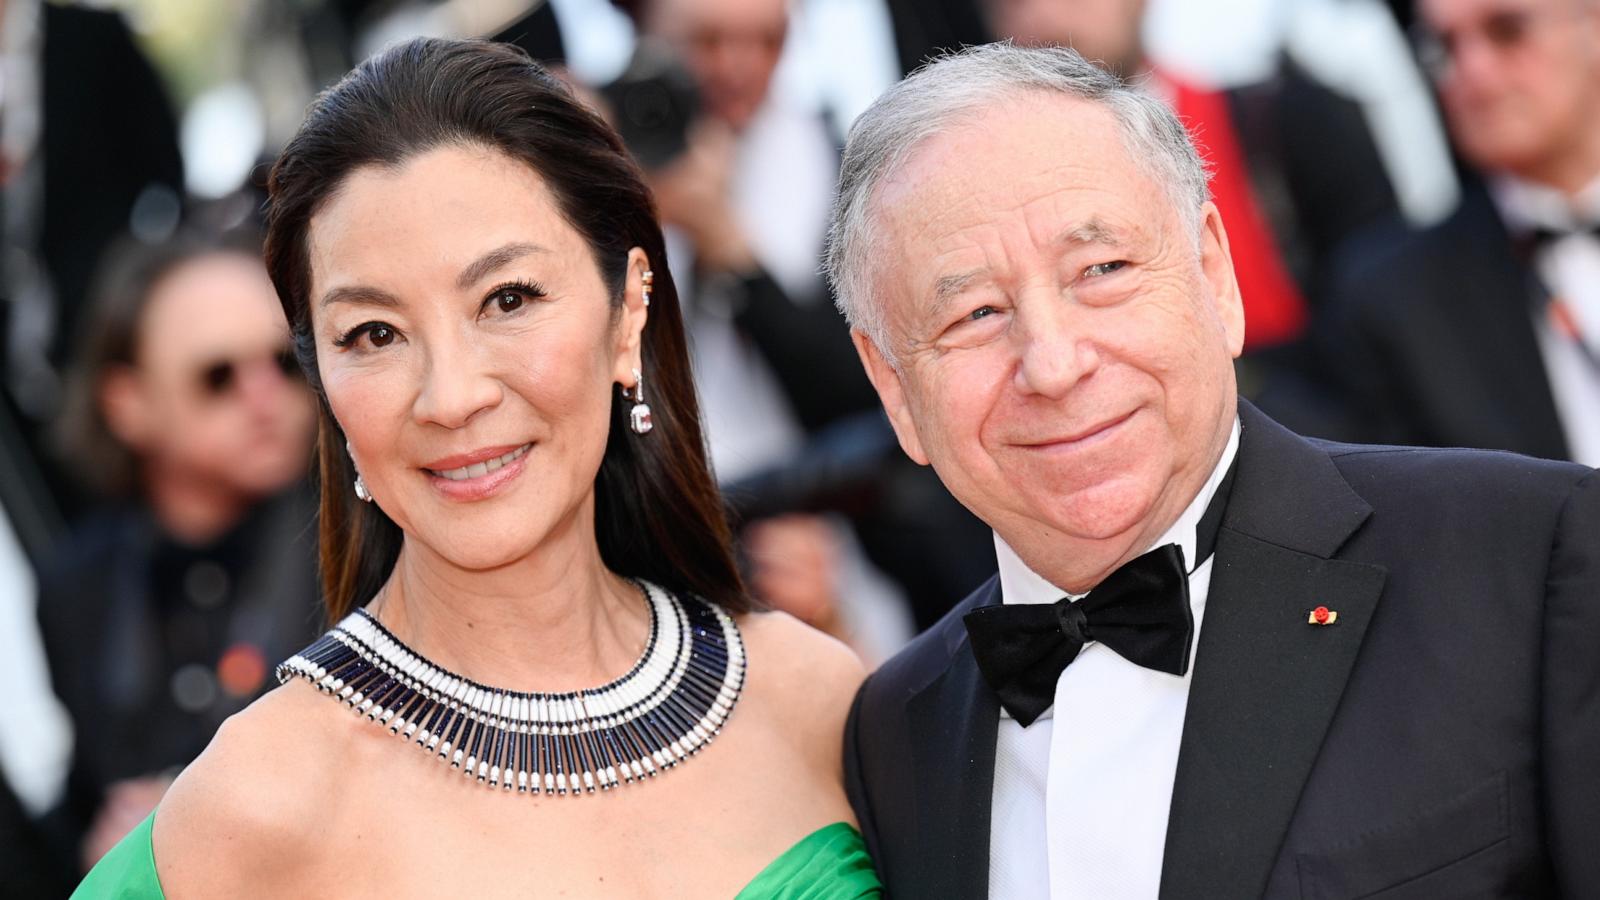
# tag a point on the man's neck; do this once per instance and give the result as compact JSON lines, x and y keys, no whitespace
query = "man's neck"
{"x":1571,"y":170}
{"x":193,"y":509}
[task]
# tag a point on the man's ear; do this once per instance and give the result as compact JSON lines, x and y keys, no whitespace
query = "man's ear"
{"x":892,"y":393}
{"x":1216,"y":264}
{"x":123,"y":405}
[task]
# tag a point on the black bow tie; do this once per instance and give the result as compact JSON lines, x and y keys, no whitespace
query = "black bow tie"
{"x":1530,"y":242}
{"x":1141,"y":611}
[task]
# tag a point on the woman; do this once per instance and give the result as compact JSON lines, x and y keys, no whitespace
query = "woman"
{"x":514,"y":484}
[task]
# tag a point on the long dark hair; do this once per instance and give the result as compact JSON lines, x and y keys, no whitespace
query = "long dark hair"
{"x":657,"y":511}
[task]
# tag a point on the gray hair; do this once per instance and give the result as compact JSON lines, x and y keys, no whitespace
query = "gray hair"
{"x":951,"y":88}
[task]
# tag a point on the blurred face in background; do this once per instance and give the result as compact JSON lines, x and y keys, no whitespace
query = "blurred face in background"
{"x":1103,"y":31}
{"x":1519,"y":79}
{"x":214,"y":396}
{"x":731,"y":46}
{"x":1064,"y":349}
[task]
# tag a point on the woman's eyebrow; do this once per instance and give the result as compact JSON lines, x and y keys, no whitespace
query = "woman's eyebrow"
{"x":494,"y":260}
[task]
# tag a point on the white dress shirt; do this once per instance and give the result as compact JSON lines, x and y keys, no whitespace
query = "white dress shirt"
{"x":1569,"y":267}
{"x":1081,"y":811}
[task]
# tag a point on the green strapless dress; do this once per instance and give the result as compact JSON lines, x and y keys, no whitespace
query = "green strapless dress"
{"x":829,"y":864}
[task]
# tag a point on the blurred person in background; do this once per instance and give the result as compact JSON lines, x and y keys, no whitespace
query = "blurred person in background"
{"x":747,"y":199}
{"x":163,"y":609}
{"x":88,"y":151}
{"x":1484,"y":331}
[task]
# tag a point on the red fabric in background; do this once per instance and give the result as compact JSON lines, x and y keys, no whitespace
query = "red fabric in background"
{"x":1274,"y":311}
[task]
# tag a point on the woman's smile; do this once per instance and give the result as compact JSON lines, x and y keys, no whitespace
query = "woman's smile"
{"x":479,"y":474}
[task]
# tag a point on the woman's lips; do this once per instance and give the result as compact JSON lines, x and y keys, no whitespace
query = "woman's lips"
{"x":479,"y":479}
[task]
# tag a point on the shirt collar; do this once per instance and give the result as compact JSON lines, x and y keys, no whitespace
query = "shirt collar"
{"x":1019,"y":583}
{"x":1527,"y":205}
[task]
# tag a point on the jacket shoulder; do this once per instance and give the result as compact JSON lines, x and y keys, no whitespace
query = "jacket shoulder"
{"x":928,"y":654}
{"x":1460,"y":491}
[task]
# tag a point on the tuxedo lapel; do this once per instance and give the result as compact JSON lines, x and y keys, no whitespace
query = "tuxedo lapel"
{"x":1266,"y":682}
{"x":953,"y":722}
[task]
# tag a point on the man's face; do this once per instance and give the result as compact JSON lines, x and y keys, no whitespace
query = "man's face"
{"x":213,"y":396}
{"x":1519,"y":79}
{"x":1104,"y":31}
{"x":1064,"y":350}
{"x":731,"y":46}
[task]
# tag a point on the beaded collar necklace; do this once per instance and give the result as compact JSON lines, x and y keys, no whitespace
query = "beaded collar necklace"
{"x":670,"y":704}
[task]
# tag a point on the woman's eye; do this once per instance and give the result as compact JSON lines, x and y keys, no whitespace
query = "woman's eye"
{"x":376,"y":334}
{"x":508,"y":301}
{"x":509,"y":298}
{"x":1105,"y":268}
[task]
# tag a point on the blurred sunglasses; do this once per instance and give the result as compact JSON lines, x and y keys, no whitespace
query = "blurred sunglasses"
{"x":222,"y":376}
{"x":1504,"y":32}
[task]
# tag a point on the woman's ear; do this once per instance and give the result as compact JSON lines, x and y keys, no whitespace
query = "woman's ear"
{"x":637,"y":284}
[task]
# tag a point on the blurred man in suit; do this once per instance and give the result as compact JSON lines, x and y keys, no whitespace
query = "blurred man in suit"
{"x":1484,"y":331}
{"x":1218,"y":660}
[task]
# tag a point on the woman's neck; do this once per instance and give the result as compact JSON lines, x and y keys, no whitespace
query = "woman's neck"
{"x":555,"y":620}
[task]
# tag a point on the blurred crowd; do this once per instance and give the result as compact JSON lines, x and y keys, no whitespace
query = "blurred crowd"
{"x":1411,"y":193}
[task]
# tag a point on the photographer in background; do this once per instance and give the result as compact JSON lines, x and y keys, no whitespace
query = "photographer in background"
{"x":163,"y":610}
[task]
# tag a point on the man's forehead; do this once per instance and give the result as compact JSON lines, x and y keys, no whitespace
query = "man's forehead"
{"x":1451,"y":12}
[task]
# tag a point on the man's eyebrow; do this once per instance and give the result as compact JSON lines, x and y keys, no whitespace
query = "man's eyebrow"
{"x":361,"y":295}
{"x":948,"y":287}
{"x":495,"y":259}
{"x":1091,"y":232}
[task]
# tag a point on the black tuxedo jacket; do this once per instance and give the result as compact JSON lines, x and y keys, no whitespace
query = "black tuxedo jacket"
{"x":1441,"y":740}
{"x":1431,"y":337}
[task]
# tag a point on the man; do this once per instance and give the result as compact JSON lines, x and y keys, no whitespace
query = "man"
{"x":1306,"y":669}
{"x":164,"y":611}
{"x":1485,"y":330}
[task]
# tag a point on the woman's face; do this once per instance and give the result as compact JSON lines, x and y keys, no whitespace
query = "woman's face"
{"x":469,"y":350}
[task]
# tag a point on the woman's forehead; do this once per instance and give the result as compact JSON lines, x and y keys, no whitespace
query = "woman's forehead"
{"x":426,"y":221}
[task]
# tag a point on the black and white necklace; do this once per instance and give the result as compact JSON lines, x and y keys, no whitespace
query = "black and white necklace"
{"x":671,"y":704}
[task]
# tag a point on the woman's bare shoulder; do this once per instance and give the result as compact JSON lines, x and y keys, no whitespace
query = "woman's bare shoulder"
{"x":235,"y":819}
{"x":804,"y":678}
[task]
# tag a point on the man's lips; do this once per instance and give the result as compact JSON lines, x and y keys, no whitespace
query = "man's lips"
{"x":1079,"y":437}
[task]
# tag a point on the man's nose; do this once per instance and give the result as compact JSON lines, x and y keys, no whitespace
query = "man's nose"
{"x":1054,"y":348}
{"x":455,"y":387}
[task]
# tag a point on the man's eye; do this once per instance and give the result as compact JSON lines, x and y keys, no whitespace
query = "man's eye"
{"x":1105,"y":268}
{"x":982,"y":312}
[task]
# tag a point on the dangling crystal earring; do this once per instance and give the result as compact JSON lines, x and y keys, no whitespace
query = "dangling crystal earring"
{"x":639,"y":415}
{"x":362,"y":493}
{"x":649,"y":280}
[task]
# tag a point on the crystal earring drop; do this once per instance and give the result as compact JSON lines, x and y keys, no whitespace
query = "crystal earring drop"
{"x":639,"y":415}
{"x":362,"y":493}
{"x":648,"y":280}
